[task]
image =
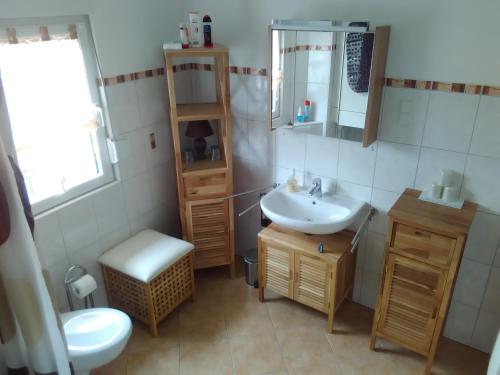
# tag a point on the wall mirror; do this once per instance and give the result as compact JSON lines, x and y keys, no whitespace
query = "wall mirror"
{"x":326,"y":78}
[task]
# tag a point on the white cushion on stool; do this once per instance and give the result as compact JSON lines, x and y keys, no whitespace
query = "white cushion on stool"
{"x":146,"y":255}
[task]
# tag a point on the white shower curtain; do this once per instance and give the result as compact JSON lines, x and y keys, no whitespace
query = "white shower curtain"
{"x":31,"y":337}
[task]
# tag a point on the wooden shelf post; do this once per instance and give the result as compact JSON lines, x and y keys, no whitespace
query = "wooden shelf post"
{"x":206,"y":214}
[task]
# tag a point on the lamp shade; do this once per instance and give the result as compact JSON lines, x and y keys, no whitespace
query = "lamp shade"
{"x":199,"y":129}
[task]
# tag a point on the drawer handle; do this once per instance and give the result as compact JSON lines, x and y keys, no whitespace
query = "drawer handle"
{"x":422,"y":234}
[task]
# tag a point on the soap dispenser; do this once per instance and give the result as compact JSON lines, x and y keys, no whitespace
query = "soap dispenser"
{"x":291,"y":183}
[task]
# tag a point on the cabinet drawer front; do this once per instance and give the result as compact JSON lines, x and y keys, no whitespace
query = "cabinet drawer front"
{"x":208,"y":231}
{"x":278,"y":271}
{"x":412,"y":293}
{"x":311,"y":282}
{"x":423,"y":244}
{"x":207,"y":185}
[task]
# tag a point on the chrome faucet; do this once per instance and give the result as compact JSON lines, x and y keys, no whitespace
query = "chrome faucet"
{"x":316,"y":188}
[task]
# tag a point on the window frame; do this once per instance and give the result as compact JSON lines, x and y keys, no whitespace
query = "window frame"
{"x":93,"y":74}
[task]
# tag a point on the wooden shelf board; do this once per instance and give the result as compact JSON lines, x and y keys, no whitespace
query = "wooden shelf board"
{"x":201,"y":166}
{"x":196,"y":51}
{"x":199,"y":111}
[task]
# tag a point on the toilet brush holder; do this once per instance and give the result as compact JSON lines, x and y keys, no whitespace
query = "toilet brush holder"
{"x":72,"y":275}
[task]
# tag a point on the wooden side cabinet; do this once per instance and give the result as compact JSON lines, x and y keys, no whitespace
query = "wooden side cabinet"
{"x":291,"y":265}
{"x":423,"y":249}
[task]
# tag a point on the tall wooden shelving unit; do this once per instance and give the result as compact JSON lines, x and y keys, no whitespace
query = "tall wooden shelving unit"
{"x":203,"y":186}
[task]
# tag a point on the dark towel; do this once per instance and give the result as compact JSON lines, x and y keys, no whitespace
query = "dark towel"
{"x":23,"y":193}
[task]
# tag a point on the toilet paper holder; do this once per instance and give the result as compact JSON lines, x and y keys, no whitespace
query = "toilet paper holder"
{"x":70,"y":277}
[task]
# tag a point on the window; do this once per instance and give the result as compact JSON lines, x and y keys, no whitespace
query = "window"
{"x":49,"y":78}
{"x":277,"y":73}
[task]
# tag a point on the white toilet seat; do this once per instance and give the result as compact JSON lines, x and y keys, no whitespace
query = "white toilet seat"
{"x":95,"y":336}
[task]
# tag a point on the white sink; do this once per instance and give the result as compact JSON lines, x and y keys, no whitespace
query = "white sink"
{"x":301,"y":212}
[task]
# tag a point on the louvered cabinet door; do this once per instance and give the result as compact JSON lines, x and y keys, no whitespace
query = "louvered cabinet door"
{"x":277,"y":269}
{"x":208,"y":231}
{"x":411,"y":299}
{"x":312,"y":278}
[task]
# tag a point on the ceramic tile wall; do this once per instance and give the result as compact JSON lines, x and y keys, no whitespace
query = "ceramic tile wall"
{"x":421,"y":132}
{"x":145,"y":195}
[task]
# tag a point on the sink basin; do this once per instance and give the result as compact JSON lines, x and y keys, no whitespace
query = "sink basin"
{"x":301,"y":212}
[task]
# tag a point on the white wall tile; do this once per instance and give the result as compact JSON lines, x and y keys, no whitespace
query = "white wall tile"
{"x":403,"y":115}
{"x":483,"y":239}
{"x":491,"y":301}
{"x":260,"y":146}
{"x":152,"y":96}
{"x":486,"y":331}
{"x":356,"y":163}
{"x":486,"y":137}
{"x":319,"y":67}
{"x":203,"y":86}
{"x":396,"y":166}
{"x":291,"y":149}
{"x":240,"y":137}
{"x":164,"y":147}
{"x":132,"y":153}
{"x":57,"y":272}
{"x":239,"y":95}
{"x":369,"y":290}
{"x":359,"y":192}
{"x":49,"y":239}
{"x":114,"y":238}
{"x":257,"y":97}
{"x":322,"y":156}
{"x":382,"y":201}
{"x":481,"y":183}
{"x":109,"y":207}
{"x":137,"y":195}
{"x":471,"y":282}
{"x":460,"y":322}
{"x":301,"y":66}
{"x":78,"y":224}
{"x":374,"y":253}
{"x":433,"y":161}
{"x":163,"y":183}
{"x":450,"y":120}
{"x":123,"y":107}
{"x":318,"y":93}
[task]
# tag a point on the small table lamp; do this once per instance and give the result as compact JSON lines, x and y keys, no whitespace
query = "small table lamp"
{"x":199,"y":130}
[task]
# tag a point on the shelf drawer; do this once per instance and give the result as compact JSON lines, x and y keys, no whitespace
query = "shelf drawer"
{"x":206,"y":185}
{"x":422,"y":244}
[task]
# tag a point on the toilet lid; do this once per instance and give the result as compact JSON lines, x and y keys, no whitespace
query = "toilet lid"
{"x":94,"y":330}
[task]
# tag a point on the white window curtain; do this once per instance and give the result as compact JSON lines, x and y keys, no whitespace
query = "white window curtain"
{"x":31,"y":337}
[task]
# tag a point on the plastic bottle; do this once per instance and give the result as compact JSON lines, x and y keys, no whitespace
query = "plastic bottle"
{"x":307,"y":110}
{"x":183,"y":30}
{"x":291,"y":183}
{"x":300,"y":117}
{"x":195,"y":29}
{"x":207,"y":31}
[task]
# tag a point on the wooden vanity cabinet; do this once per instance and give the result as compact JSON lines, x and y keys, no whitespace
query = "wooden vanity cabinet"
{"x":291,"y":265}
{"x":424,"y":246}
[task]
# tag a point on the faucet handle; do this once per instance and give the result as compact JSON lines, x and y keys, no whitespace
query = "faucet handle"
{"x":316,"y":181}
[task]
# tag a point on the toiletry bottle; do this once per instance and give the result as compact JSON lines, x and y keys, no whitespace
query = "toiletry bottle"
{"x":207,"y":31}
{"x":195,"y":29}
{"x":307,"y":110}
{"x":291,"y":183}
{"x":300,"y":117}
{"x":183,"y":30}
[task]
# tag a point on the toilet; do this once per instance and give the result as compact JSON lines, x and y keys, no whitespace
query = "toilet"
{"x":95,"y":336}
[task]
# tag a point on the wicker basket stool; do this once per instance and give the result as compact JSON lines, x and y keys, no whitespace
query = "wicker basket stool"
{"x":148,"y":276}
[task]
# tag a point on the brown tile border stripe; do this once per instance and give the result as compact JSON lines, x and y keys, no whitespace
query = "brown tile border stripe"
{"x":463,"y":88}
{"x":309,"y":47}
{"x":122,"y":78}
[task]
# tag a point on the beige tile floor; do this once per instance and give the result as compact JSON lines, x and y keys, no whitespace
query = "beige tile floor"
{"x":228,"y":331}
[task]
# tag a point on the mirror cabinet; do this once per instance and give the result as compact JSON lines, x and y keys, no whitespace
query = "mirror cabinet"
{"x":326,"y":78}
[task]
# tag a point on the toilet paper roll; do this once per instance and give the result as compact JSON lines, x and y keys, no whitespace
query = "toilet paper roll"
{"x":83,"y":286}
